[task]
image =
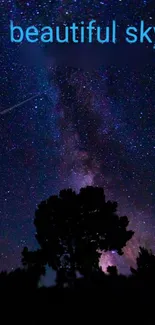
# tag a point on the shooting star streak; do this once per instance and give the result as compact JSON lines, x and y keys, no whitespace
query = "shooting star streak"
{"x":18,"y":105}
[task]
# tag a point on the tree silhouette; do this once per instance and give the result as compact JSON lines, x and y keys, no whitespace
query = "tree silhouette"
{"x":20,"y":279}
{"x":112,"y":270}
{"x":145,"y":264}
{"x":34,"y":260}
{"x":73,"y":229}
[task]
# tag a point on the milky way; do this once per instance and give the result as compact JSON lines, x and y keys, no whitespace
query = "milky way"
{"x":91,"y":122}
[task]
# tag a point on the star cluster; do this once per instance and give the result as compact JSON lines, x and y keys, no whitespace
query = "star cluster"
{"x":91,"y":122}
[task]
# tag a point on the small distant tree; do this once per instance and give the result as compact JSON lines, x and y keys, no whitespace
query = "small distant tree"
{"x":145,"y":264}
{"x":73,"y":229}
{"x":112,"y":270}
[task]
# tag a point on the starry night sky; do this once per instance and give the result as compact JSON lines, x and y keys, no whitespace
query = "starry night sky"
{"x":91,"y":123}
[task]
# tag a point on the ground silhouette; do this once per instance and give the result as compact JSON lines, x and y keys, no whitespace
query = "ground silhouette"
{"x":72,"y":230}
